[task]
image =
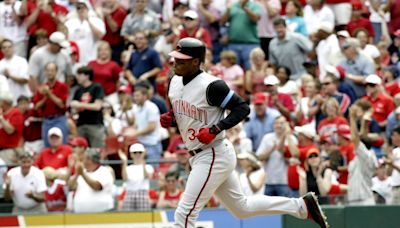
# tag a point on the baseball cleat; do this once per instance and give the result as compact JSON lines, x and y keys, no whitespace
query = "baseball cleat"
{"x":314,"y":211}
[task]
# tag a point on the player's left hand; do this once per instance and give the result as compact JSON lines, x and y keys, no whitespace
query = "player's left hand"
{"x":207,"y":135}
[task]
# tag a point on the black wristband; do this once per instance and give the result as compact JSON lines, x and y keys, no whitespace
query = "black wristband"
{"x":215,"y":130}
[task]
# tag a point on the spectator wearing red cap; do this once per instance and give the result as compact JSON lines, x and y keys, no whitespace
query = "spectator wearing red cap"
{"x":382,"y":105}
{"x":105,"y":71}
{"x":346,"y":148}
{"x":280,"y":101}
{"x":79,"y":146}
{"x":358,"y":22}
{"x":11,"y":130}
{"x":50,"y":101}
{"x":57,"y":155}
{"x":261,"y":120}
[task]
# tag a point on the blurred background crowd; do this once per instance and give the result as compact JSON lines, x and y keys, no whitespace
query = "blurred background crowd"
{"x":83,"y":84}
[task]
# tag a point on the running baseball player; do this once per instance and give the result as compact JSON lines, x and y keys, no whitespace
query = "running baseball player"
{"x":199,"y":101}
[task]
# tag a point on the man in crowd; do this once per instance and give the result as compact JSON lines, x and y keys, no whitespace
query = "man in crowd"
{"x":26,"y":185}
{"x":57,"y":155}
{"x":280,"y":101}
{"x":288,"y":49}
{"x":181,"y":168}
{"x":92,"y":184}
{"x":87,"y":103}
{"x":11,"y":126}
{"x":50,"y":101}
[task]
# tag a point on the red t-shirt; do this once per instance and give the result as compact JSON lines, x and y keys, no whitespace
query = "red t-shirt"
{"x":205,"y":36}
{"x":106,"y":75}
{"x":337,"y":1}
{"x":32,"y":129}
{"x":347,"y":151}
{"x":16,"y":119}
{"x":329,"y":126}
{"x":382,"y":106}
{"x":174,"y":142}
{"x":44,"y":20}
{"x":55,"y":198}
{"x":56,"y":160}
{"x":394,"y":22}
{"x":393,"y":88}
{"x":118,"y":16}
{"x":50,"y":109}
{"x":362,"y":23}
{"x":285,"y":99}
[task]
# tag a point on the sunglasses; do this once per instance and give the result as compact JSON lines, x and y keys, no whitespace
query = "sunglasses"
{"x":137,"y":152}
{"x":370,"y":85}
{"x":188,"y":19}
{"x":313,"y":156}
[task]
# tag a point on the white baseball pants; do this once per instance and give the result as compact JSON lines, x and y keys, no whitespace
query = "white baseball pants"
{"x":212,"y":172}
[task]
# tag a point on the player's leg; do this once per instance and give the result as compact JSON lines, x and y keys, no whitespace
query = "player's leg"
{"x":209,"y":170}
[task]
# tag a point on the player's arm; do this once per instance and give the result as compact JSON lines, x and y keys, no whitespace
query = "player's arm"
{"x":219,"y":94}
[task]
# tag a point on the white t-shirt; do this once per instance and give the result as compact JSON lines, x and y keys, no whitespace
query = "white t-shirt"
{"x":143,"y":116}
{"x":34,"y":182}
{"x":324,"y":50}
{"x":311,"y":17}
{"x":254,"y":176}
{"x":289,"y":88}
{"x":371,"y":51}
{"x":4,"y":84}
{"x":383,"y":188}
{"x":136,"y":180}
{"x":80,"y":32}
{"x":9,"y":27}
{"x":88,"y":200}
{"x":17,"y":67}
{"x":395,"y":173}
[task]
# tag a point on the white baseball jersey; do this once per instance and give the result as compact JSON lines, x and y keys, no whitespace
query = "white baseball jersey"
{"x":191,"y":108}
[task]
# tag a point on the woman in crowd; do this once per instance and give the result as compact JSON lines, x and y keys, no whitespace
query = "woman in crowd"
{"x":294,"y":18}
{"x":309,"y":105}
{"x":137,"y":178}
{"x":286,"y":86}
{"x":254,"y":81}
{"x":232,"y":73}
{"x":253,"y":177}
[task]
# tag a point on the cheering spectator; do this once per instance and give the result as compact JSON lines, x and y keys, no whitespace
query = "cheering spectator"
{"x":294,"y":17}
{"x":32,"y":132}
{"x":316,"y":11}
{"x":271,"y":153}
{"x":361,"y":168}
{"x":288,"y":49}
{"x":328,"y":126}
{"x":285,"y":84}
{"x":280,"y":101}
{"x":239,"y":140}
{"x":92,"y":184}
{"x":55,"y":196}
{"x":252,"y":179}
{"x":11,"y":127}
{"x":309,"y":105}
{"x":12,"y":26}
{"x":113,"y":17}
{"x":382,"y":185}
{"x":382,"y":105}
{"x":141,"y":19}
{"x":346,"y":148}
{"x":191,"y":28}
{"x":144,"y":63}
{"x":137,"y":177}
{"x":86,"y":30}
{"x":359,"y":22}
{"x":260,"y":121}
{"x":368,"y":50}
{"x":41,"y":40}
{"x":232,"y":73}
{"x":254,"y":80}
{"x":26,"y":185}
{"x":330,"y":89}
{"x":106,"y":71}
{"x":87,"y":102}
{"x":242,"y":17}
{"x":356,"y":66}
{"x":52,"y":52}
{"x":147,"y":123}
{"x":169,"y":198}
{"x":50,"y":101}
{"x":15,"y":69}
{"x":57,"y":155}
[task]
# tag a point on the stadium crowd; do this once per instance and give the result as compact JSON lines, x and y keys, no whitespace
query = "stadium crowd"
{"x":83,"y":84}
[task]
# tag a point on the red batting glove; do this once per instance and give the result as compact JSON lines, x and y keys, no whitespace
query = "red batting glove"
{"x":167,"y":119}
{"x":205,"y":136}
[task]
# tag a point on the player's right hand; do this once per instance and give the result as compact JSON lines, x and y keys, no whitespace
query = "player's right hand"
{"x":167,"y":119}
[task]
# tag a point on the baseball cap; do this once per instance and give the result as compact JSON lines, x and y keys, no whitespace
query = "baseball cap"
{"x":125,"y":89}
{"x":191,"y":14}
{"x":79,"y":141}
{"x":373,"y":79}
{"x":343,"y":33}
{"x":181,"y":149}
{"x":189,"y":48}
{"x":271,"y":80}
{"x":326,"y":26}
{"x":344,"y":131}
{"x":357,"y":5}
{"x":55,"y":131}
{"x":259,"y":98}
{"x":59,"y":38}
{"x":307,"y":130}
{"x":332,"y":70}
{"x":6,"y":96}
{"x":137,"y":147}
{"x":312,"y":151}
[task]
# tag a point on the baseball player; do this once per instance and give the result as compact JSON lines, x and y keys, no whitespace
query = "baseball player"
{"x":199,"y":101}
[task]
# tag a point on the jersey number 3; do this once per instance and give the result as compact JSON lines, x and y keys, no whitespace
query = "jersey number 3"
{"x":192,"y":134}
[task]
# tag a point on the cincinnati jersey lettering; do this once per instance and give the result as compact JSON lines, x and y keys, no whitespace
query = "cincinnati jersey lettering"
{"x":182,"y":107}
